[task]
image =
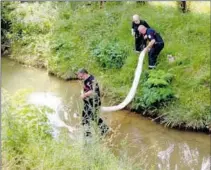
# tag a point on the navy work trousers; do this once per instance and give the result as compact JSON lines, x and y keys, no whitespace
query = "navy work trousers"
{"x":153,"y":54}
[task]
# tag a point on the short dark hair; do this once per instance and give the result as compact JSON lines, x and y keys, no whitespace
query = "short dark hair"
{"x":82,"y":70}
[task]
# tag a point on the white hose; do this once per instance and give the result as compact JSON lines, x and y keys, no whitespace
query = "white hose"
{"x":133,"y":89}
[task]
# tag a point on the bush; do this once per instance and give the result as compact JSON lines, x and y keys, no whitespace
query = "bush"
{"x":155,"y":89}
{"x":110,"y":54}
{"x":7,"y":8}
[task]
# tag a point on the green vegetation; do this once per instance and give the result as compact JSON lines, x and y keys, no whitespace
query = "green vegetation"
{"x":65,"y":36}
{"x":110,"y":55}
{"x":27,"y":143}
{"x":5,"y":25}
{"x":155,"y":88}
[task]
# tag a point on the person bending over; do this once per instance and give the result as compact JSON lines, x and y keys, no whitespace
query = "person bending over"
{"x":154,"y":46}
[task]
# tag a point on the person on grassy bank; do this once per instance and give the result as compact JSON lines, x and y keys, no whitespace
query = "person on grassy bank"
{"x":92,"y":102}
{"x":154,"y":46}
{"x":140,"y":42}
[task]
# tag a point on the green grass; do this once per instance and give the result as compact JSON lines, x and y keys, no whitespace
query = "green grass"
{"x":27,"y":143}
{"x":65,"y":39}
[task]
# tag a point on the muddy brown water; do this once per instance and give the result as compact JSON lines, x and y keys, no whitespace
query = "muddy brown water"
{"x":147,"y":142}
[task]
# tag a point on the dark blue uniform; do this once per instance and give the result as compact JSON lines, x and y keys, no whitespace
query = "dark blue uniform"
{"x":140,"y":43}
{"x":156,"y":48}
{"x":92,"y":105}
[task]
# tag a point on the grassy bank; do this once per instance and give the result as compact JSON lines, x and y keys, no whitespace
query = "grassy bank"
{"x":74,"y":35}
{"x":28,"y":144}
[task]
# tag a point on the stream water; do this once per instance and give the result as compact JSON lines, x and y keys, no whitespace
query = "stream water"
{"x":148,"y":142}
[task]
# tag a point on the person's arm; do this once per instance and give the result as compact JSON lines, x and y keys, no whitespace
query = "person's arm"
{"x":90,"y":92}
{"x":151,"y":43}
{"x":87,"y":94}
{"x":145,"y":37}
{"x":151,"y":36}
{"x":132,"y":30}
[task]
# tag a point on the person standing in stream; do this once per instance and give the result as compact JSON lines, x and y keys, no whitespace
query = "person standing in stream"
{"x":92,"y":102}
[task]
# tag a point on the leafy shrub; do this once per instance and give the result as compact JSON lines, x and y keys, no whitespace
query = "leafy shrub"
{"x":110,"y":54}
{"x":155,"y":89}
{"x":30,"y":30}
{"x":7,"y":7}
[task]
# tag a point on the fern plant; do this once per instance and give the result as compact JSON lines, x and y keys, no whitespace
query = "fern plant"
{"x":155,"y":90}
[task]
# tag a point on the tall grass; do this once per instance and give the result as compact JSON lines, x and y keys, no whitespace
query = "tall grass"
{"x":27,"y":143}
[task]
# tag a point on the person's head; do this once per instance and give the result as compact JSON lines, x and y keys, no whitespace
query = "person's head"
{"x":136,"y":19}
{"x":142,"y":29}
{"x":82,"y":74}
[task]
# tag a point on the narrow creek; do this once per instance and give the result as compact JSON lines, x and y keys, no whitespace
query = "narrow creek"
{"x":151,"y":143}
